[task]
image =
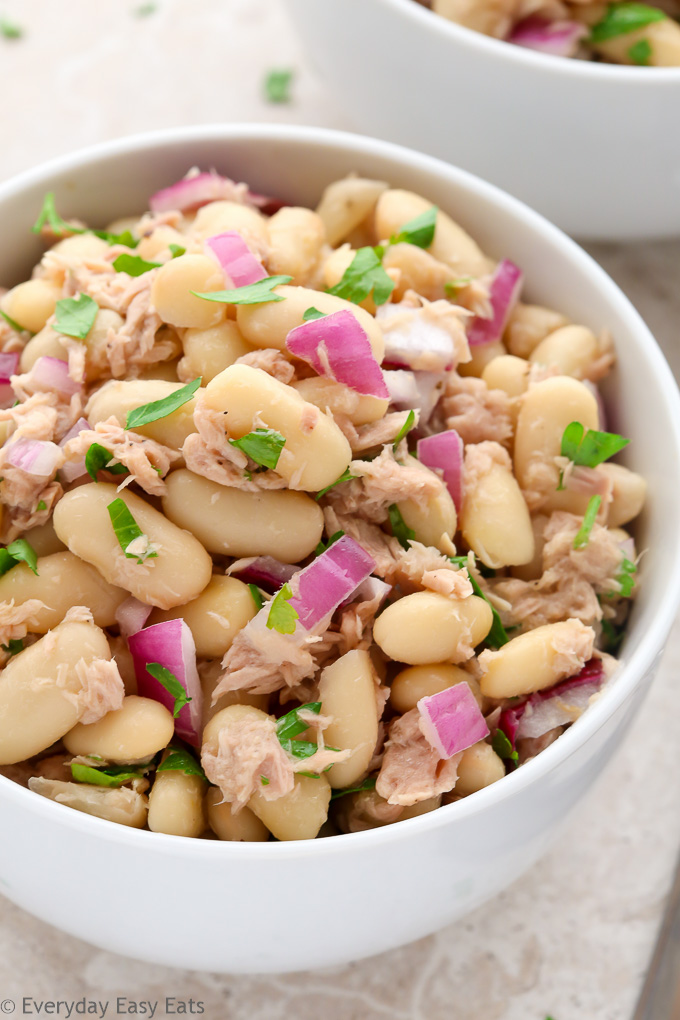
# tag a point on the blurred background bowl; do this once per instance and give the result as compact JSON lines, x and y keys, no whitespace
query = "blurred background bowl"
{"x":594,"y":147}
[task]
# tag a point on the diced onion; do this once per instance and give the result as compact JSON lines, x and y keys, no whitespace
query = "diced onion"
{"x":443,"y":453}
{"x":9,"y":362}
{"x":558,"y":38}
{"x":240,"y":266}
{"x":131,"y":615}
{"x":415,"y":342}
{"x":546,"y":709}
{"x":328,"y":581}
{"x":417,"y":391}
{"x":73,"y":469}
{"x":264,"y":571}
{"x":51,"y":374}
{"x":504,"y":290}
{"x":337,"y":347}
{"x":35,"y":456}
{"x":451,"y":720}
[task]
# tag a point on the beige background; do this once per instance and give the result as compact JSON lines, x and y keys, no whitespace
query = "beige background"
{"x":571,"y":939}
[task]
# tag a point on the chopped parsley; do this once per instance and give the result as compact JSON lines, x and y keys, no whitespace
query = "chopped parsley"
{"x":451,"y":287}
{"x":277,"y":84}
{"x":497,"y":636}
{"x":282,"y":615}
{"x":640,"y":52}
{"x":264,"y":780}
{"x":419,"y":230}
{"x":364,"y":275}
{"x":623,"y":18}
{"x":346,"y":476}
{"x":147,"y":413}
{"x":13,"y":646}
{"x":626,"y":578}
{"x":252,"y":294}
{"x":322,"y":546}
{"x":97,"y":458}
{"x":75,"y":316}
{"x":590,"y":448}
{"x":290,"y":726}
{"x":257,"y":596}
{"x":176,"y":250}
{"x":405,"y":429}
{"x":126,"y":529}
{"x":262,"y":445}
{"x":582,"y":536}
{"x":400,"y":529}
{"x":180,"y":760}
{"x":111,"y":775}
{"x":367,"y":784}
{"x":144,"y":10}
{"x":133,"y":265}
{"x":42,"y":505}
{"x":9,"y":29}
{"x":19,"y":551}
{"x":171,"y":683}
{"x":613,"y":636}
{"x":16,"y":326}
{"x":503,"y":747}
{"x":61,"y":227}
{"x":313,"y":313}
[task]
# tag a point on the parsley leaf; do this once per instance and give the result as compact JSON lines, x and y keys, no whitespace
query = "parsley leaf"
{"x":16,"y":326}
{"x":180,"y":760}
{"x":503,"y":747}
{"x":419,"y":230}
{"x":613,"y":636}
{"x":42,"y":505}
{"x":291,"y":725}
{"x":126,"y":529}
{"x":582,"y":536}
{"x":147,"y":413}
{"x":322,"y":546}
{"x":171,"y":684}
{"x":400,"y":529}
{"x":626,"y":578}
{"x":366,"y":273}
{"x":451,"y":287}
{"x":623,"y":18}
{"x":19,"y":551}
{"x":277,"y":86}
{"x":264,"y":780}
{"x":640,"y":52}
{"x":497,"y":636}
{"x":48,"y":214}
{"x":133,"y":265}
{"x":313,"y":313}
{"x":367,"y":784}
{"x":10,"y":30}
{"x":176,"y":250}
{"x":257,"y":596}
{"x":97,"y":458}
{"x":252,"y":294}
{"x":405,"y":429}
{"x":75,"y":316}
{"x":126,"y":238}
{"x":282,"y":616}
{"x":262,"y":445}
{"x":346,"y":476}
{"x":14,"y":646}
{"x":112,"y":775}
{"x":590,"y":448}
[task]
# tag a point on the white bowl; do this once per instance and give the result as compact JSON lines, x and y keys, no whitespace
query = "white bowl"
{"x":239,"y":907}
{"x":591,"y":146}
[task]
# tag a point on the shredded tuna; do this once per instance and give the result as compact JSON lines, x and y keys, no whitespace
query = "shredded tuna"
{"x":381,"y":482}
{"x":476,"y":412}
{"x":419,"y":323}
{"x":248,"y":749}
{"x":412,"y":770}
{"x":11,"y":341}
{"x":377,"y":433}
{"x":101,"y":688}
{"x":480,"y":458}
{"x":141,"y":456}
{"x":17,"y":519}
{"x":261,"y":661}
{"x":15,"y":620}
{"x":35,"y":418}
{"x":453,"y":583}
{"x":271,"y":361}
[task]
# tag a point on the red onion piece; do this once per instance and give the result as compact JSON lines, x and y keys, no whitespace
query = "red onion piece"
{"x":506,"y":284}
{"x":451,"y":720}
{"x":443,"y":453}
{"x":264,"y":571}
{"x":52,"y":374}
{"x":35,"y":456}
{"x":197,"y":190}
{"x":9,"y":362}
{"x":331,"y":578}
{"x":542,"y":710}
{"x":131,"y":616}
{"x":371,"y":588}
{"x":171,"y":644}
{"x":587,"y":481}
{"x":558,"y":38}
{"x":337,"y":347}
{"x":415,"y":343}
{"x":73,"y":469}
{"x":240,"y":266}
{"x":418,"y":391}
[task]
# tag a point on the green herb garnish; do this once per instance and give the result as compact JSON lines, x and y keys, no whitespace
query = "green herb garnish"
{"x":322,"y":546}
{"x":10,"y":30}
{"x":144,"y":10}
{"x":367,"y":784}
{"x":180,"y":760}
{"x":400,"y":529}
{"x":176,"y":250}
{"x":313,"y":313}
{"x":346,"y":476}
{"x":75,"y":316}
{"x":97,"y":458}
{"x":277,"y":86}
{"x":171,"y":683}
{"x":582,"y":536}
{"x":147,"y":413}
{"x":133,"y":265}
{"x":112,"y":775}
{"x":623,"y":18}
{"x":282,"y":616}
{"x":19,"y":551}
{"x":61,"y":227}
{"x":264,"y":780}
{"x":366,"y":273}
{"x":451,"y":287}
{"x":126,"y":529}
{"x":590,"y":448}
{"x":257,"y":596}
{"x":291,"y":725}
{"x":262,"y":445}
{"x":503,"y":747}
{"x":252,"y":294}
{"x":640,"y":53}
{"x":497,"y":636}
{"x":42,"y":505}
{"x":626,"y":578}
{"x":16,"y":326}
{"x":13,"y":647}
{"x":405,"y":429}
{"x":613,"y":636}
{"x":419,"y":230}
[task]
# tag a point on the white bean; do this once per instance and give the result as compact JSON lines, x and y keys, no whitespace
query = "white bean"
{"x":347,"y":691}
{"x":427,"y":627}
{"x":133,"y":733}
{"x":215,"y":617}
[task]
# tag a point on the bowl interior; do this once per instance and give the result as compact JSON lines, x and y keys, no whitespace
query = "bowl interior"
{"x":295,"y":164}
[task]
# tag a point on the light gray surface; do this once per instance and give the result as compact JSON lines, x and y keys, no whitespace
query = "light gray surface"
{"x":573,"y":938}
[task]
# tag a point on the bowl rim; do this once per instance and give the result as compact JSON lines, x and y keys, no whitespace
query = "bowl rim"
{"x":632,"y":670}
{"x":545,"y":62}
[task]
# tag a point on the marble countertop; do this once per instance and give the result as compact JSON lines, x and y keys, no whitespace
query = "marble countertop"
{"x":572,"y":938}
